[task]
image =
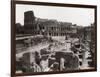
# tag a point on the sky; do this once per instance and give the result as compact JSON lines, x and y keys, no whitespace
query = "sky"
{"x":79,"y":16}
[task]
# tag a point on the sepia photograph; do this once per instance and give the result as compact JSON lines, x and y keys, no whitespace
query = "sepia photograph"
{"x":54,"y":38}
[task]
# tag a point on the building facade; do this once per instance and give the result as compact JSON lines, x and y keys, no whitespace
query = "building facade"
{"x":48,"y":27}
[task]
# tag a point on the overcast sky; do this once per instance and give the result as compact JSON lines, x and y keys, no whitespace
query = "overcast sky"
{"x":79,"y":16}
